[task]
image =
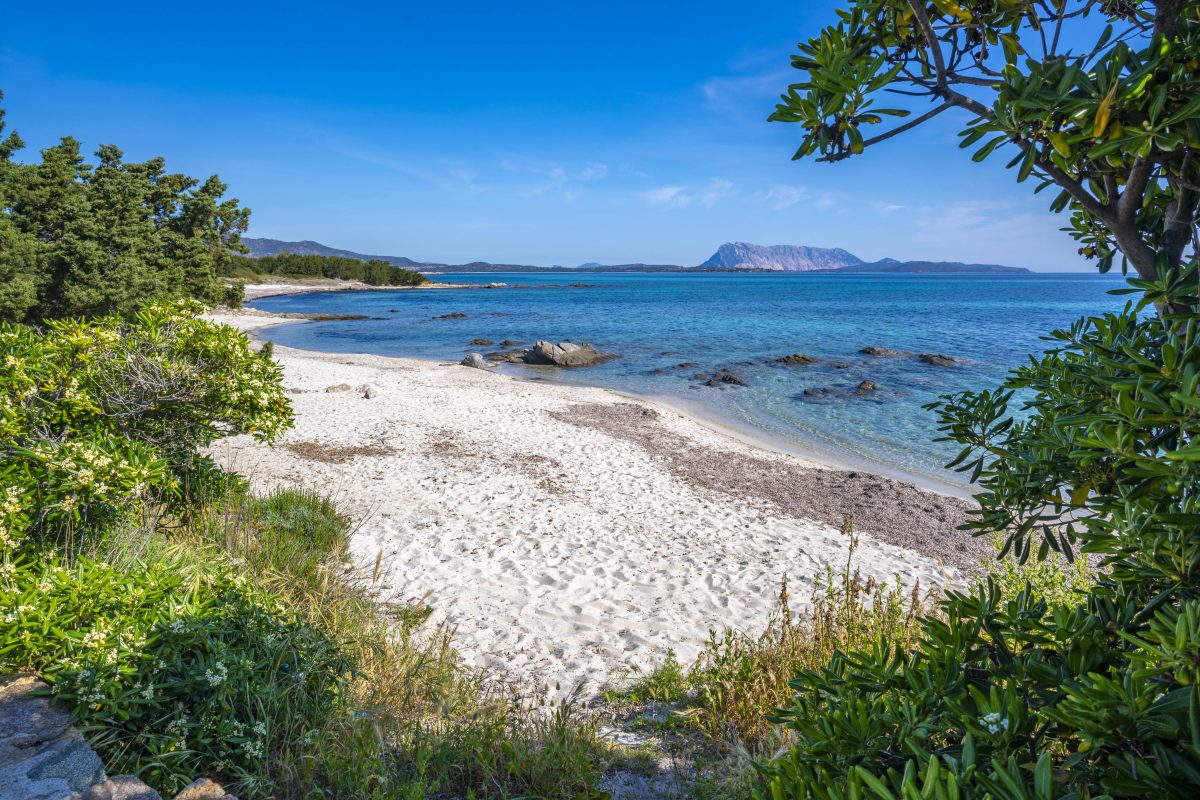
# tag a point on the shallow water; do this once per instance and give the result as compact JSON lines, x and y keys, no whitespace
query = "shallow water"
{"x":668,"y":327}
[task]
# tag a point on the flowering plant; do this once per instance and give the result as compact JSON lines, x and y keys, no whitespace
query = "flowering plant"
{"x":173,"y":674}
{"x":98,"y":416}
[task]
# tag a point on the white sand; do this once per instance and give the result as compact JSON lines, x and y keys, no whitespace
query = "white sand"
{"x":280,"y":286}
{"x":559,"y":553}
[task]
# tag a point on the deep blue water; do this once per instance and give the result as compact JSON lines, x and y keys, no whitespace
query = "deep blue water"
{"x":656,"y":321}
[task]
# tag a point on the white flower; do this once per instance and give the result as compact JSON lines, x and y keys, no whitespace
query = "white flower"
{"x":993,"y":723}
{"x":216,"y":676}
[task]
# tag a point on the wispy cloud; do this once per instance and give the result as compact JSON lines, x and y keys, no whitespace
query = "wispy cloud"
{"x":717,"y":188}
{"x":592,"y":172}
{"x":667,"y":197}
{"x":786,"y":196}
{"x":887,"y":208}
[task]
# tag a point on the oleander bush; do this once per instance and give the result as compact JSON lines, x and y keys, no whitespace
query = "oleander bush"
{"x":99,"y":418}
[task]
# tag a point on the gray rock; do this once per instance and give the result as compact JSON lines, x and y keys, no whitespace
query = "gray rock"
{"x":121,"y":787}
{"x":937,"y":360}
{"x":70,"y":761}
{"x":481,"y":342}
{"x":369,"y":390}
{"x":474,"y":360}
{"x":26,"y":721}
{"x":338,"y":387}
{"x":881,"y":351}
{"x":565,"y":354}
{"x":867,"y":386}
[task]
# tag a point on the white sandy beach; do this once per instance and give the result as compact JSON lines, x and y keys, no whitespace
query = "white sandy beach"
{"x":559,"y":551}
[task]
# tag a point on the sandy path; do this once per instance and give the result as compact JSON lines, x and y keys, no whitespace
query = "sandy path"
{"x":570,"y":532}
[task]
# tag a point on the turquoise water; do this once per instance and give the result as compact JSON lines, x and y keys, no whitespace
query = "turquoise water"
{"x":709,"y":321}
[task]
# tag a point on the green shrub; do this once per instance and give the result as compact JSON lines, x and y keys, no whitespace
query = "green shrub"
{"x":97,"y":417}
{"x":172,"y":671}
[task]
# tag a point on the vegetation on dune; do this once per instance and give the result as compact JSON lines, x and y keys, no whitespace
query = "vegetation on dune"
{"x":291,"y":265}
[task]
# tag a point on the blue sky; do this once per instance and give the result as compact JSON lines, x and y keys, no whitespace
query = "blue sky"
{"x":534,"y":132}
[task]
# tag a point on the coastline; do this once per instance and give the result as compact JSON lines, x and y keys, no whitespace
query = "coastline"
{"x":569,"y":532}
{"x":286,"y":286}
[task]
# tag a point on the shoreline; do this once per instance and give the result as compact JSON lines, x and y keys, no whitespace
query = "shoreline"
{"x":746,"y":433}
{"x":288,"y":286}
{"x":568,"y":533}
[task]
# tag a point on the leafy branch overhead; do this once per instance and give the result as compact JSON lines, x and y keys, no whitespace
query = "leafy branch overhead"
{"x":1098,"y":98}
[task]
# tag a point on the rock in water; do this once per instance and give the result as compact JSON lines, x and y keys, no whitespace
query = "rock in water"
{"x":565,"y":354}
{"x":795,"y":358}
{"x":937,"y":360}
{"x":867,"y":386}
{"x":474,"y":360}
{"x":726,"y":377}
{"x":880,"y":351}
{"x":481,"y":342}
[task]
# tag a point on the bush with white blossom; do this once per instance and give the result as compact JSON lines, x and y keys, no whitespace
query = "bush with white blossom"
{"x":172,"y":674}
{"x":99,"y":416}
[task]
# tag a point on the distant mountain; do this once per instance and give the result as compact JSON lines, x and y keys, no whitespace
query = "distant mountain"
{"x":945,"y":267}
{"x":592,"y":266}
{"x":780,"y":257}
{"x":731,"y":256}
{"x":273,"y":247}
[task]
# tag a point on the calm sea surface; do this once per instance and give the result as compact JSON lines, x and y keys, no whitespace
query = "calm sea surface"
{"x":739,"y":322}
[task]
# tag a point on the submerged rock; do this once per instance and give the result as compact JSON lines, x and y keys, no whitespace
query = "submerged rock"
{"x":565,"y":354}
{"x":510,"y":343}
{"x":474,"y":360}
{"x":507,"y":356}
{"x":937,"y":360}
{"x":881,"y":351}
{"x":721,"y":376}
{"x":794,"y":358}
{"x":866,"y":386}
{"x":481,"y":342}
{"x":451,"y":315}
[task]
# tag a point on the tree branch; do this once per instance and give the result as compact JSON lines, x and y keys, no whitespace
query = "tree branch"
{"x":935,"y":47}
{"x":1135,"y":189}
{"x":894,"y":132}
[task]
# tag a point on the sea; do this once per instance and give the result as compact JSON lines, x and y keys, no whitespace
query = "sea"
{"x":668,"y":329}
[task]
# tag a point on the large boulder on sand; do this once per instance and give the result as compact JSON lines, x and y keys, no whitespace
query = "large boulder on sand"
{"x":474,"y":360}
{"x":564,"y":354}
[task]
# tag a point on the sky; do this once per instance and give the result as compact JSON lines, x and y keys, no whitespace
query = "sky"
{"x":525,"y":132}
